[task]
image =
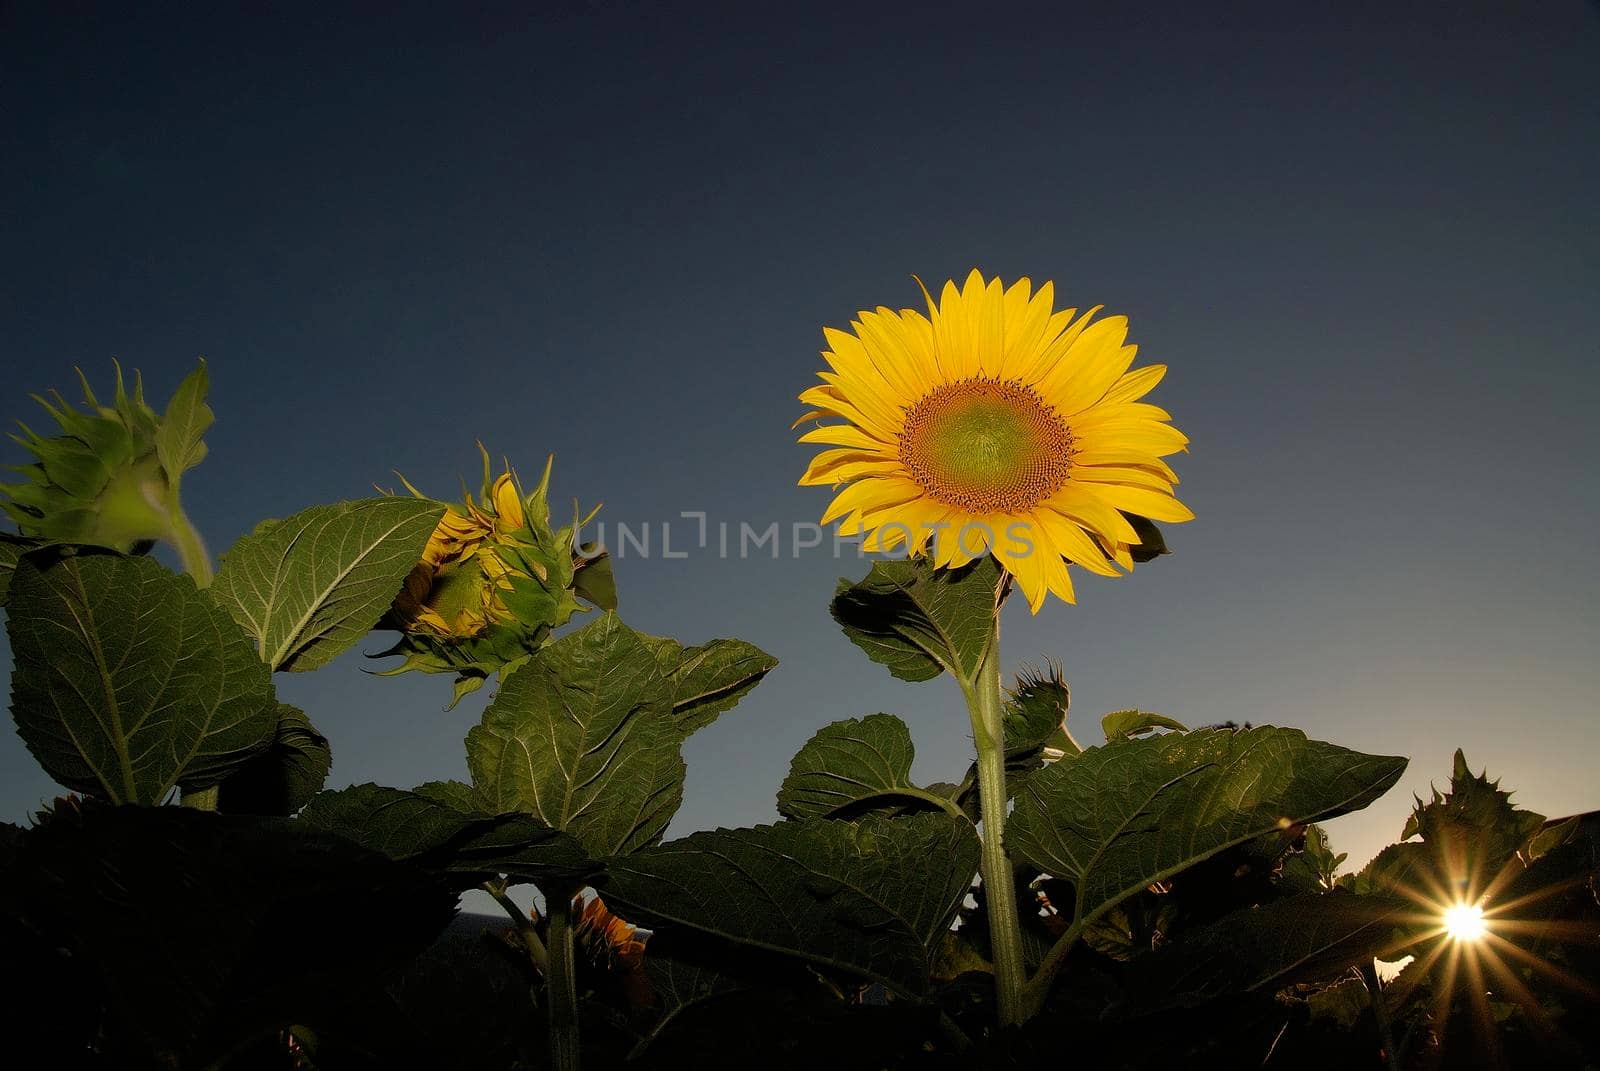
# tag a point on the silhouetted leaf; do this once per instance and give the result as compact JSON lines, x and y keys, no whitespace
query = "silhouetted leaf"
{"x":679,"y":985}
{"x":205,"y":929}
{"x":1297,"y":940}
{"x":850,"y":765}
{"x":1152,"y":544}
{"x":918,"y":620}
{"x":284,"y":777}
{"x":309,"y":586}
{"x":414,"y":828}
{"x":870,"y":897}
{"x":1119,"y":817}
{"x":12,"y":548}
{"x":129,"y":680}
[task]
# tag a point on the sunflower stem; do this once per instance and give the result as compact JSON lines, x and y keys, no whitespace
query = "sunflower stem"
{"x":1005,"y":930}
{"x":561,"y":986}
{"x":191,"y":548}
{"x":525,"y":931}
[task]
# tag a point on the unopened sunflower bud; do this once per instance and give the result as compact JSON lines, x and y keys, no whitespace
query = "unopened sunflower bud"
{"x":111,"y":478}
{"x":494,"y":581}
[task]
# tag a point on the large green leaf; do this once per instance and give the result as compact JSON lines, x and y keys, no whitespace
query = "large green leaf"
{"x":197,"y":931}
{"x":583,"y":737}
{"x":1301,"y":939}
{"x":417,"y":828}
{"x":919,"y":621}
{"x":870,"y":897}
{"x":130,"y":681}
{"x":850,"y":766}
{"x":708,"y":680}
{"x":284,"y":777}
{"x":179,"y":439}
{"x":309,"y":586}
{"x":1120,"y":817}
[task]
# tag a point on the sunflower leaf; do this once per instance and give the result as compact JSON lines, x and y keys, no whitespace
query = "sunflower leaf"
{"x":871,"y":897}
{"x":420,"y":828}
{"x":851,"y":766}
{"x":1308,"y":938}
{"x":583,"y":737}
{"x":920,"y":621}
{"x":284,"y":777}
{"x":309,"y":586}
{"x":710,"y":679}
{"x":1122,"y":724}
{"x":1118,"y":818}
{"x":200,"y":929}
{"x":1152,"y":544}
{"x":129,"y":680}
{"x":179,"y":439}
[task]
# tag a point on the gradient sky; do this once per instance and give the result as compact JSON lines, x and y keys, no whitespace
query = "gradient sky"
{"x":1366,"y":243}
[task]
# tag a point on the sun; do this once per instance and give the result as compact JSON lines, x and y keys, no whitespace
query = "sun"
{"x":1464,"y":922}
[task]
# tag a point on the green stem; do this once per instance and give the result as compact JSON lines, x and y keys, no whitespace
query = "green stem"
{"x":988,"y":733}
{"x":1380,"y":1013}
{"x":191,"y":548}
{"x":201,"y":799}
{"x":525,"y":931}
{"x":561,"y":984}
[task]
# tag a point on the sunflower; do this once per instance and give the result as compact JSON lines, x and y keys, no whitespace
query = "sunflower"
{"x":994,"y":424}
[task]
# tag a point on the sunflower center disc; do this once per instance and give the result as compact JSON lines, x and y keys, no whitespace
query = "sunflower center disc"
{"x":985,"y":445}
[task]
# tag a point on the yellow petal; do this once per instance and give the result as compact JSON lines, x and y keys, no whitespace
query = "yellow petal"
{"x":1136,"y":435}
{"x":1136,"y":384}
{"x":870,"y":493}
{"x":1069,"y":540}
{"x":862,"y":407}
{"x":988,"y":324}
{"x":1090,"y":367}
{"x":1152,"y":504}
{"x":1078,"y":502}
{"x":1029,"y":572}
{"x":508,"y":503}
{"x":1056,"y":580}
{"x":906,"y":372}
{"x":852,"y":470}
{"x":1059,"y":339}
{"x":848,"y":435}
{"x":815,"y":414}
{"x":1027,"y":320}
{"x":1125,"y":411}
{"x":1118,"y":454}
{"x":1127,"y":474}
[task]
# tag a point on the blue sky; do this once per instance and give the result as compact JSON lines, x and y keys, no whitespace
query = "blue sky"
{"x":1365,"y":243}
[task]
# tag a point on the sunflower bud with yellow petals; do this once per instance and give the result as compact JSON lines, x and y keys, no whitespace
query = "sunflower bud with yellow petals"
{"x":494,"y":581}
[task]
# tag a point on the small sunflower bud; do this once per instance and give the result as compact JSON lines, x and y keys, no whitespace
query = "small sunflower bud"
{"x":494,"y":581}
{"x":111,"y":478}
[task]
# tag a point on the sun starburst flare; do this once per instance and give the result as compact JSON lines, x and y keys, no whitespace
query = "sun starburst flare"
{"x":994,"y":424}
